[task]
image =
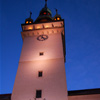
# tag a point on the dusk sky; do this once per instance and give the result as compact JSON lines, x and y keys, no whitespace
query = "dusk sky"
{"x":82,"y":30}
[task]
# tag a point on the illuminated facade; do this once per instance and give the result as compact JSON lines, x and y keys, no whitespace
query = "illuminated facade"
{"x":41,"y":70}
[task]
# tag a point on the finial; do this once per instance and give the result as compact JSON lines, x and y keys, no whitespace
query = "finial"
{"x":45,"y":3}
{"x":30,"y":14}
{"x":56,"y":11}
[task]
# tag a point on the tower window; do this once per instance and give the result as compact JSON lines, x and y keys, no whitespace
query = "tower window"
{"x":30,"y":22}
{"x":38,"y":93}
{"x":44,"y":13}
{"x":58,"y":18}
{"x":26,"y":22}
{"x":41,"y":53}
{"x":40,"y":74}
{"x":55,"y":18}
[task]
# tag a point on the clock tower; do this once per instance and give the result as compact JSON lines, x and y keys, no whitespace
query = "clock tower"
{"x":41,"y":70}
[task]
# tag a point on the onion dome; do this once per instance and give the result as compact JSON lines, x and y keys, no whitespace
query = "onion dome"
{"x":57,"y":16}
{"x":45,"y":14}
{"x":29,"y":20}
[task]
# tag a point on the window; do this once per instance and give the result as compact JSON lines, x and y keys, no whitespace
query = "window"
{"x":44,"y":13}
{"x":40,"y":74}
{"x":26,"y":22}
{"x":58,"y":18}
{"x":30,"y":22}
{"x":41,"y":53}
{"x":48,"y":13}
{"x":55,"y":18}
{"x":38,"y":93}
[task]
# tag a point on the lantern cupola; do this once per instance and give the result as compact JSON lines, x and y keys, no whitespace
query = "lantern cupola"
{"x":29,"y":20}
{"x":57,"y":16}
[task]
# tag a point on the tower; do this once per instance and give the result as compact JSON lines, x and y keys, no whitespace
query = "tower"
{"x":41,"y":70}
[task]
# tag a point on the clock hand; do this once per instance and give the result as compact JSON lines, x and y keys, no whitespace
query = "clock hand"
{"x":42,"y":37}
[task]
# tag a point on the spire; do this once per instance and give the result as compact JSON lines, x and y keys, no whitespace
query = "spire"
{"x":45,"y":3}
{"x":30,"y":14}
{"x":45,"y":14}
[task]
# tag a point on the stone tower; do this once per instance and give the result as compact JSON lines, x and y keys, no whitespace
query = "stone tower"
{"x":41,"y":70}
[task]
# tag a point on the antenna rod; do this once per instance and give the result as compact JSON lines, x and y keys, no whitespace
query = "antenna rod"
{"x":30,"y":14}
{"x":56,"y":11}
{"x":45,"y":3}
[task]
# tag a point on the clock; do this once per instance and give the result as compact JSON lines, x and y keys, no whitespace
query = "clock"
{"x":42,"y":37}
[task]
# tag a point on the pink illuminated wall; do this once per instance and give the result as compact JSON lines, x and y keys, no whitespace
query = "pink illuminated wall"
{"x":53,"y":81}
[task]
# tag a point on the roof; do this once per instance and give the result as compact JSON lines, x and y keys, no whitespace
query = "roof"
{"x":5,"y":96}
{"x":70,"y":93}
{"x":84,"y":92}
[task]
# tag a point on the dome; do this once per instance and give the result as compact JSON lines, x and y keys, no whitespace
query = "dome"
{"x":45,"y":14}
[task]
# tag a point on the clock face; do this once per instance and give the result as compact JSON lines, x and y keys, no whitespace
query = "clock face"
{"x":42,"y":37}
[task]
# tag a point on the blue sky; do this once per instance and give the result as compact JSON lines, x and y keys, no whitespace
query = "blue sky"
{"x":82,"y":29}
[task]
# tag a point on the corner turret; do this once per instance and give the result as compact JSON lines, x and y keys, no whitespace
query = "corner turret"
{"x":29,"y":20}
